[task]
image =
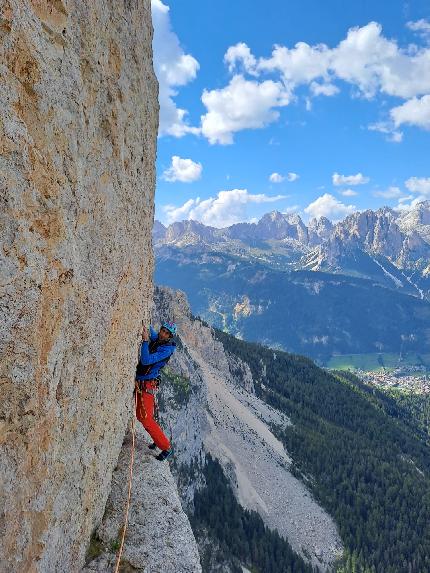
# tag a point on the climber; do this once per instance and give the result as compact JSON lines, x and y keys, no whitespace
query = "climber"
{"x":155,"y":352}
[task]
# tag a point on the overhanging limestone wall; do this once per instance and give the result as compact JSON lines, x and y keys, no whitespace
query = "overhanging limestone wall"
{"x":78,"y":123}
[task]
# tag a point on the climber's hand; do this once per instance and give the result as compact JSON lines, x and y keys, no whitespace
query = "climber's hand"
{"x":145,"y":334}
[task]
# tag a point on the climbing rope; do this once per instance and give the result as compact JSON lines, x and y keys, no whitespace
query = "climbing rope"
{"x":133,"y":430}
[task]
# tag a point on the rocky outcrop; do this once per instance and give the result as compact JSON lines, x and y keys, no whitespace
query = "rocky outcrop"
{"x":416,"y":219}
{"x":188,"y":233}
{"x":159,"y":535}
{"x":78,"y":123}
{"x":275,"y":225}
{"x":319,"y":230}
{"x":378,"y":232}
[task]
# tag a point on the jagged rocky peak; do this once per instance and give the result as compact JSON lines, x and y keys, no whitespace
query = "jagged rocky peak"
{"x":276,"y":225}
{"x":188,"y":232}
{"x":319,"y":230}
{"x":416,"y":219}
{"x":421,"y":213}
{"x":376,"y":233}
{"x":403,"y":237}
{"x":274,"y":216}
{"x":158,"y":231}
{"x":374,"y":230}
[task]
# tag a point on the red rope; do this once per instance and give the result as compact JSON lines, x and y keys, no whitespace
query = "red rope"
{"x":129,"y":485}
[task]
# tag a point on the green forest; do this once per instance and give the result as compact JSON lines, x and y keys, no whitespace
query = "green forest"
{"x":241,"y":535}
{"x":363,"y":454}
{"x":416,"y":407}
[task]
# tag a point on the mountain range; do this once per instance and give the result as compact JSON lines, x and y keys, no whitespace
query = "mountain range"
{"x":361,"y":285}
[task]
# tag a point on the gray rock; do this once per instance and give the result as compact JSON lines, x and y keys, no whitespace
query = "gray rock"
{"x":159,"y":538}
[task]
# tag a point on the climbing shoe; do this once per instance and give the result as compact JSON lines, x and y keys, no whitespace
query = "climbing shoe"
{"x":163,"y":455}
{"x":152,"y":446}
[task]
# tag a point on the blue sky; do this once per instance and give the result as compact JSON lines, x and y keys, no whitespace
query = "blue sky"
{"x":320,"y":108}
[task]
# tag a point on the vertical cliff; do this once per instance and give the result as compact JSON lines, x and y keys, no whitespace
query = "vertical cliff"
{"x":78,"y":123}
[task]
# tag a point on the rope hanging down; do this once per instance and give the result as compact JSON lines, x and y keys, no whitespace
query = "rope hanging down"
{"x":133,"y":430}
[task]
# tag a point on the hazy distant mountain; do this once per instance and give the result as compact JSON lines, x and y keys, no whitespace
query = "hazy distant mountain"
{"x":387,"y":246}
{"x":377,"y":233}
{"x":361,"y":285}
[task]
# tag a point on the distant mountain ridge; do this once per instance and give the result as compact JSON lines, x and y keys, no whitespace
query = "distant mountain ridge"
{"x":388,"y":246}
{"x":358,"y":286}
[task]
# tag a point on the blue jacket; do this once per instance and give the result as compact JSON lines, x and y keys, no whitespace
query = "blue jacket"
{"x":157,"y":359}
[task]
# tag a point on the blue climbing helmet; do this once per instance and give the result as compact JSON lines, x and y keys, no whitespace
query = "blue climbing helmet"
{"x":170,"y":326}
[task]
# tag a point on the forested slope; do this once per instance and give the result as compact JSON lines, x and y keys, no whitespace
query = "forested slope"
{"x":363,"y":463}
{"x":322,"y":314}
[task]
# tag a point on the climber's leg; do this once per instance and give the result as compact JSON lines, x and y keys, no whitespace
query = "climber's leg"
{"x":145,"y":415}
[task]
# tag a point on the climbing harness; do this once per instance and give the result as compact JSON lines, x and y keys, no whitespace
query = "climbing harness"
{"x":141,"y":386}
{"x":133,"y":440}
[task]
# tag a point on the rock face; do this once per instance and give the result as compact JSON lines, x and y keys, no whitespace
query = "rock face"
{"x":159,"y":536}
{"x":78,"y":124}
{"x":319,"y":230}
{"x":417,"y":219}
{"x":378,"y":232}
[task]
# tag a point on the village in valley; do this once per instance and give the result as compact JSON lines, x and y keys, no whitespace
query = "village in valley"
{"x":408,"y":378}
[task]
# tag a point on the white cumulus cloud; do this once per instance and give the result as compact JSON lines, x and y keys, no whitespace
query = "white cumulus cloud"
{"x":373,"y":63}
{"x":419,"y":185}
{"x":422,"y":27}
{"x":415,"y":111}
{"x":299,"y":65}
{"x":276,"y":178}
{"x":328,"y":206}
{"x":406,"y":198}
{"x":389,"y":129}
{"x":173,"y":68}
{"x":358,"y":179}
{"x":326,"y":89}
{"x":227,"y":208}
{"x":409,"y":202}
{"x":365,"y":59}
{"x":242,"y":104}
{"x":240,"y":54}
{"x":184,"y":170}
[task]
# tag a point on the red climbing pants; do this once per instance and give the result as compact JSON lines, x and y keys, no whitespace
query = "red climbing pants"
{"x":145,"y":414}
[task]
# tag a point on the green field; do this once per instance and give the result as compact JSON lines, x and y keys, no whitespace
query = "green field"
{"x":377,"y":360}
